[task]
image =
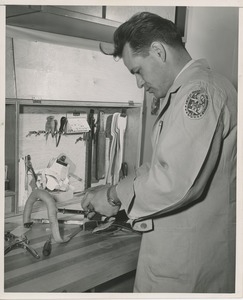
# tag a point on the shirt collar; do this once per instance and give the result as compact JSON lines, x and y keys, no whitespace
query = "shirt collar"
{"x":185,"y":67}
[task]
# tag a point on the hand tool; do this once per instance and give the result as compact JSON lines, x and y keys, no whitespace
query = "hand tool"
{"x":17,"y":242}
{"x":100,"y":146}
{"x":46,"y":251}
{"x":32,"y":132}
{"x":72,"y":211}
{"x":49,"y":126}
{"x":94,"y":155}
{"x":29,"y":167}
{"x":55,"y":129}
{"x":61,"y":130}
{"x":108,"y":143}
{"x":39,"y":132}
{"x":120,"y":129}
{"x":124,"y":170}
{"x":109,"y":178}
{"x":75,"y":232}
{"x":65,"y":222}
{"x":91,"y":121}
{"x":52,"y":126}
{"x":79,"y":139}
{"x":60,"y":210}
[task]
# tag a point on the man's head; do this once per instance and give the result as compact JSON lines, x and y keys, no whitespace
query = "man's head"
{"x":152,"y":50}
{"x":141,"y":30}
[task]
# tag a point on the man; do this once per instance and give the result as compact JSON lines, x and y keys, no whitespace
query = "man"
{"x":185,"y":200}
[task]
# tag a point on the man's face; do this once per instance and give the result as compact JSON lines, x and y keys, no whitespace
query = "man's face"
{"x":151,"y":71}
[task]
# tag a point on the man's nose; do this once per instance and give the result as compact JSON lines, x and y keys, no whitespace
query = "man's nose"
{"x":140,"y":81}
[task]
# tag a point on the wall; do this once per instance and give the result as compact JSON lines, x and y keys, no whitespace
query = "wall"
{"x":52,"y":71}
{"x":212,"y":33}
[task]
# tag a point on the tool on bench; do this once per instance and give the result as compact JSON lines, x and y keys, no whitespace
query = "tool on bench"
{"x":72,"y":211}
{"x":66,"y":222}
{"x":18,"y":242}
{"x":75,"y":232}
{"x":46,"y":251}
{"x":63,"y":211}
{"x":63,"y":123}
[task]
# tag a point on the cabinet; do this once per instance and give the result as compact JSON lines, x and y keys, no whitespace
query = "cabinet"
{"x":88,"y":22}
{"x":123,"y":13}
{"x":25,"y":135}
{"x":47,"y":79}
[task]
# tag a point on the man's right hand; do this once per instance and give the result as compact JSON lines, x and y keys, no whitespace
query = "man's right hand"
{"x":95,"y":201}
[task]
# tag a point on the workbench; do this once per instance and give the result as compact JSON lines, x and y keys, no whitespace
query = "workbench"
{"x":86,"y":262}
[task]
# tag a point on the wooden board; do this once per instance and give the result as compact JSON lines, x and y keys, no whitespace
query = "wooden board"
{"x":88,"y":260}
{"x":54,"y":72}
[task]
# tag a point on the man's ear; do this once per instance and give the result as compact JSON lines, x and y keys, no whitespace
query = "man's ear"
{"x":159,"y":49}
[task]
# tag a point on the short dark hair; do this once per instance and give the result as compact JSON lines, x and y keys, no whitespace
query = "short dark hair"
{"x":141,"y":30}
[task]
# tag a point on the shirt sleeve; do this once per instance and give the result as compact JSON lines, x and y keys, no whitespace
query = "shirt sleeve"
{"x":185,"y":155}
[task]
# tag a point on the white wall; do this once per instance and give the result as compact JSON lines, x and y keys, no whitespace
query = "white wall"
{"x":212,"y":33}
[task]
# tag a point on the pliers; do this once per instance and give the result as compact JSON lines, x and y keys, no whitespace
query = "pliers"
{"x":29,"y":167}
{"x":62,"y":128}
{"x":17,"y":242}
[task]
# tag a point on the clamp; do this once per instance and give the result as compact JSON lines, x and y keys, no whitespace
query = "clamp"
{"x":18,"y":242}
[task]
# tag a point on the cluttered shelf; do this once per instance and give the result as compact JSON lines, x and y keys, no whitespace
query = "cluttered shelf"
{"x":35,"y":148}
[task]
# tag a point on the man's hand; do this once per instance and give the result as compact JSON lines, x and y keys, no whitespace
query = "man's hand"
{"x":95,"y":201}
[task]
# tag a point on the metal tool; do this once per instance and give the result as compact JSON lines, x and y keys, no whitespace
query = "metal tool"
{"x":66,"y":222}
{"x":55,"y":129}
{"x":32,"y":132}
{"x":120,"y":130}
{"x":100,"y":146}
{"x":63,"y":123}
{"x":29,"y":167}
{"x":19,"y":242}
{"x":72,"y":211}
{"x":49,"y":126}
{"x":94,"y":154}
{"x":75,"y":232}
{"x":110,"y":174}
{"x":91,"y":122}
{"x":46,"y":251}
{"x":124,"y":170}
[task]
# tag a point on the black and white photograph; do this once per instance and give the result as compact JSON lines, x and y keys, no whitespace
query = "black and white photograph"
{"x":121,"y":150}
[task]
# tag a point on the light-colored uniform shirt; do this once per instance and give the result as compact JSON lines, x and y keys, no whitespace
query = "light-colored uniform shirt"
{"x":185,"y":200}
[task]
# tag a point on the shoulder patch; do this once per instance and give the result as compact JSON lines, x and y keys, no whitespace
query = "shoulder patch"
{"x":196,"y":104}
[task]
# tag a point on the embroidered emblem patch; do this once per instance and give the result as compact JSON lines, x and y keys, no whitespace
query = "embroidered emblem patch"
{"x":196,"y":104}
